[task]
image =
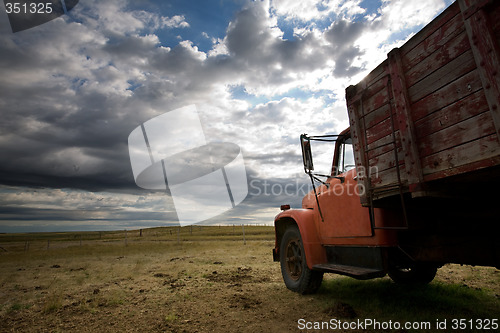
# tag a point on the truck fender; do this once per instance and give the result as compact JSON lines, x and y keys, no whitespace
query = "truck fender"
{"x":303,"y":218}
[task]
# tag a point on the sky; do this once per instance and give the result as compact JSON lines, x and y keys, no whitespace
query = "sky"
{"x":259,"y":72}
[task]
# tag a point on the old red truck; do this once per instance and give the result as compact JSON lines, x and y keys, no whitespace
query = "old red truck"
{"x":415,"y":179}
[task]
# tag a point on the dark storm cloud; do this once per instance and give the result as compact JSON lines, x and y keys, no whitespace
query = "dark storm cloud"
{"x":70,"y":100}
{"x":342,"y":35}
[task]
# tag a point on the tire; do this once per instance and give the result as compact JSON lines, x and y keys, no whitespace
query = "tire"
{"x":415,"y":274}
{"x":297,"y":276}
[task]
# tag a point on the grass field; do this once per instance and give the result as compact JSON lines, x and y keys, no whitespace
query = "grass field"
{"x":209,"y":279}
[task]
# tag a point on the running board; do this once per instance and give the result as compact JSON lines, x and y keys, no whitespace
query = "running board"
{"x":359,"y":273}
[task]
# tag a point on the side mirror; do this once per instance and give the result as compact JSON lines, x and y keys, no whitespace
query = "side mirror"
{"x":305,"y":143}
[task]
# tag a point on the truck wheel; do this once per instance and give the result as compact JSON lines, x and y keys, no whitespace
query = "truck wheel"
{"x":413,"y":275}
{"x":297,"y":276}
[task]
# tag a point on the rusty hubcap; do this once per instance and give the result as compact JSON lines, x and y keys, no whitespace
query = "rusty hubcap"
{"x":294,"y":259}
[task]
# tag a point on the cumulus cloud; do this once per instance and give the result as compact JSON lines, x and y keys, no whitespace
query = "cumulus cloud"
{"x":310,"y":10}
{"x":73,"y":89}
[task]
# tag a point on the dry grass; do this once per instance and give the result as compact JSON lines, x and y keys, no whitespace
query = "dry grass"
{"x":203,"y":281}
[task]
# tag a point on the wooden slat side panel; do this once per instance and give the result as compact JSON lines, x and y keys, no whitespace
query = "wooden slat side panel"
{"x":385,"y":140}
{"x":486,"y":50}
{"x":466,"y":131}
{"x":405,"y":120}
{"x":466,"y":168}
{"x":366,"y":89}
{"x":384,"y":145}
{"x":431,"y":37}
{"x":442,"y":56}
{"x":377,"y":74}
{"x":388,"y":177}
{"x":358,"y":138}
{"x":447,"y":95}
{"x":447,"y":160}
{"x":463,"y":109}
{"x":377,"y":116}
{"x":387,"y":160}
{"x":458,"y":67}
{"x":375,"y":101}
{"x":379,"y":131}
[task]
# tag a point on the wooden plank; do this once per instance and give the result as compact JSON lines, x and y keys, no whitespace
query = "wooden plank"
{"x":377,"y":115}
{"x":468,"y":130}
{"x":379,"y":149}
{"x":447,"y":95}
{"x":358,"y":139}
{"x":466,"y":168}
{"x":404,"y":119}
{"x":445,"y":27}
{"x":375,"y":101}
{"x":387,"y":160}
{"x":368,"y":86}
{"x":389,"y":177}
{"x":379,"y":131}
{"x":470,"y":7}
{"x":446,"y":161}
{"x":442,"y":56}
{"x":486,"y":50}
{"x":458,"y":67}
{"x":465,"y":108}
{"x":377,"y":74}
{"x":384,"y":141}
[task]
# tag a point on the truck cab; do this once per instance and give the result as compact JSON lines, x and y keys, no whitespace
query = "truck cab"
{"x":333,"y":233}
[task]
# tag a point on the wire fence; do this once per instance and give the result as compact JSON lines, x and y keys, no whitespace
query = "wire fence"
{"x":29,"y":242}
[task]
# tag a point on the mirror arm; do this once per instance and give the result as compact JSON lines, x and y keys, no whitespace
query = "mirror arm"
{"x":319,"y":180}
{"x":316,"y":196}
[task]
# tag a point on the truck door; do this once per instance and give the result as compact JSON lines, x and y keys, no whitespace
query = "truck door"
{"x":341,"y":210}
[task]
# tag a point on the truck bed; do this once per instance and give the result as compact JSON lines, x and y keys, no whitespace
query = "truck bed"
{"x":431,"y":110}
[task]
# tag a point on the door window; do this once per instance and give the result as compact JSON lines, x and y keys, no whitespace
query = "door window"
{"x":345,"y":161}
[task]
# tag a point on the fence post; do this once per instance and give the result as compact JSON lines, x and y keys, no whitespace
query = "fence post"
{"x":244,"y":240}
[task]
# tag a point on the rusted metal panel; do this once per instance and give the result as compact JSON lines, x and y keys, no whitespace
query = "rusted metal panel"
{"x":486,"y":50}
{"x":404,"y":119}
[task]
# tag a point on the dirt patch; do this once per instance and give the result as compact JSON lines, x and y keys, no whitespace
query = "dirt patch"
{"x":200,"y":287}
{"x":341,"y":310}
